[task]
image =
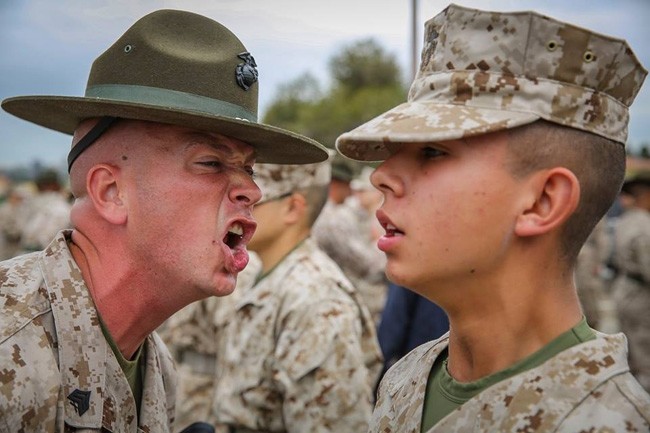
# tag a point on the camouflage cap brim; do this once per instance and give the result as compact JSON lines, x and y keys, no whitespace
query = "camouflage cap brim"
{"x":451,"y":105}
{"x":484,"y":71}
{"x":424,"y":122}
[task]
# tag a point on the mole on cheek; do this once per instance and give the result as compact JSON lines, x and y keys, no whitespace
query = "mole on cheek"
{"x":124,"y":157}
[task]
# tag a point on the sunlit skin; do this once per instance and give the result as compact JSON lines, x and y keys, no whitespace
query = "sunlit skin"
{"x":482,"y":244}
{"x":151,"y":229}
{"x":281,"y":226}
{"x":370,"y":200}
{"x":339,"y":191}
{"x":269,"y":228}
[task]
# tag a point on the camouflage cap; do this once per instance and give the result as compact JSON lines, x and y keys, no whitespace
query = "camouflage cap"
{"x":484,"y":71}
{"x":277,"y":180}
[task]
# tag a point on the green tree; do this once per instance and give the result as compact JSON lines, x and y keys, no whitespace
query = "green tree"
{"x":366,"y":81}
{"x":365,"y":64}
{"x":645,"y":151}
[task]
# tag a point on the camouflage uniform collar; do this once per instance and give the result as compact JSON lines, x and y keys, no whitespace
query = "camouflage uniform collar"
{"x":93,"y":384}
{"x":547,"y":393}
{"x":78,"y":336}
{"x":553,"y":388}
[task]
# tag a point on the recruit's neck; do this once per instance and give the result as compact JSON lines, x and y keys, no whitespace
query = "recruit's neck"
{"x":499,"y":321}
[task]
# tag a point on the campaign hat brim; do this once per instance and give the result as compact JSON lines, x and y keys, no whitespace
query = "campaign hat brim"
{"x":63,"y":114}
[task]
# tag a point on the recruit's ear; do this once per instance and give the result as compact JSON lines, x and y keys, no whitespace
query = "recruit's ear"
{"x":554,"y":197}
{"x":103,"y":186}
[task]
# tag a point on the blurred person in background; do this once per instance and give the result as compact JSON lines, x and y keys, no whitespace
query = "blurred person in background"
{"x":194,"y":336}
{"x":12,"y":216}
{"x":46,"y":213}
{"x":631,"y":259}
{"x":348,"y":233}
{"x":339,"y":189}
{"x":592,"y":280}
{"x":300,"y":353}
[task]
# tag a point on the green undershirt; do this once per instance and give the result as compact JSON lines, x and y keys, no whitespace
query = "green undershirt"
{"x":133,"y":369}
{"x":444,"y":394}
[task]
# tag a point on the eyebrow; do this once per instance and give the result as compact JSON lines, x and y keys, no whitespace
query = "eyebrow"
{"x":198,"y":138}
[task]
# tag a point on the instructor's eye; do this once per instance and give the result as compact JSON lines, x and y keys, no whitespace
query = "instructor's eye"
{"x":216,"y":164}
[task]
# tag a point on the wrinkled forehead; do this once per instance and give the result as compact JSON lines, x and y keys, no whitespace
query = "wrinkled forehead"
{"x":225,"y":145}
{"x":167,"y":137}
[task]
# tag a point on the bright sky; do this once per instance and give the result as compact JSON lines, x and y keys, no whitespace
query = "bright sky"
{"x":47,"y":47}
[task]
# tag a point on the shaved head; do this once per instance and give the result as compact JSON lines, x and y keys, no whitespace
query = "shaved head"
{"x":597,"y":162}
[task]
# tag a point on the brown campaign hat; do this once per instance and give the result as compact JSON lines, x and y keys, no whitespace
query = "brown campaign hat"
{"x":179,"y":68}
{"x":485,"y":71}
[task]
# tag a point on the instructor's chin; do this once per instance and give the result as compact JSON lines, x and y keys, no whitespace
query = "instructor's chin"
{"x":227,"y":286}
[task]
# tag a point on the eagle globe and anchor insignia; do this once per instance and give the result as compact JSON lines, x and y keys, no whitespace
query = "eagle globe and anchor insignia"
{"x":246,"y":72}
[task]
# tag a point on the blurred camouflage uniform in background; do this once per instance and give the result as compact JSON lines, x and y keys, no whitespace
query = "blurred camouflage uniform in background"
{"x":347,"y":232}
{"x":12,"y":216}
{"x":45,"y":213}
{"x":632,"y":285}
{"x":593,"y":286}
{"x":194,"y":337}
{"x":301,"y":352}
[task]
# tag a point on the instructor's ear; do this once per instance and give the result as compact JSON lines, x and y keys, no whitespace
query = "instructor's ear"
{"x":555,"y":194}
{"x":104,"y":189}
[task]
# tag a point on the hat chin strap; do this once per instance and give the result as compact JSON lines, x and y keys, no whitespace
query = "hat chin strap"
{"x":88,"y":139}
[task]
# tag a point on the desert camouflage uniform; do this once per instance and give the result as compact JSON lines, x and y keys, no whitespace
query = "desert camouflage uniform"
{"x":586,"y":388}
{"x":9,"y":230}
{"x":57,"y":372}
{"x":194,"y":337}
{"x":343,"y":232}
{"x":12,"y":215}
{"x":302,"y":354}
{"x":595,"y":298}
{"x":45,"y":214}
{"x":632,"y":287}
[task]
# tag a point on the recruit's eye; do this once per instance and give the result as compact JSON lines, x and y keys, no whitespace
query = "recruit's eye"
{"x":432,"y":152}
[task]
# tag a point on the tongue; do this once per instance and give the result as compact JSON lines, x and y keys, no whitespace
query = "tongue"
{"x":240,"y":259}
